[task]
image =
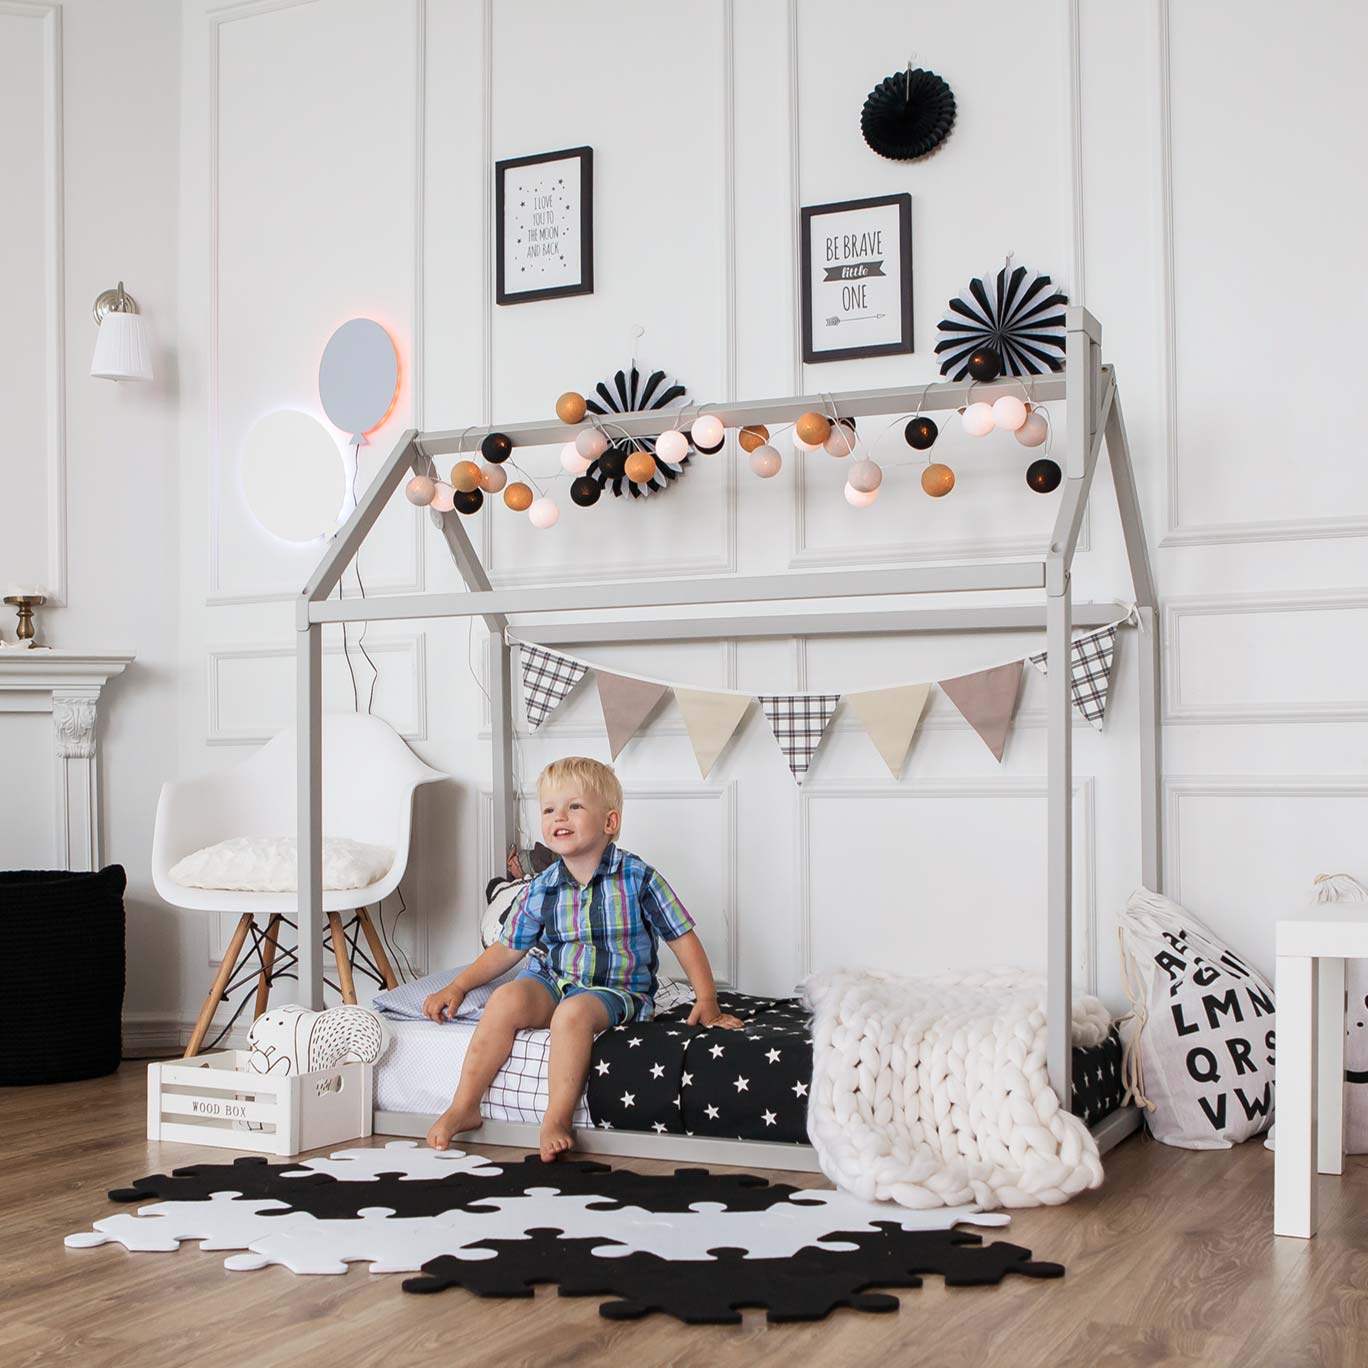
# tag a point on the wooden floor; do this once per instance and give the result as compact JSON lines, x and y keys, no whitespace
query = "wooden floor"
{"x":1171,"y":1262}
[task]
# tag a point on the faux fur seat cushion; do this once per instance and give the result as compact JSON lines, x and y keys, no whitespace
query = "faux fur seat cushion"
{"x":270,"y":864}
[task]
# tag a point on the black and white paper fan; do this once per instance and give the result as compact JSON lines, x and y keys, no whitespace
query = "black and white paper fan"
{"x":908,"y":114}
{"x":627,"y":392}
{"x":1020,"y":315}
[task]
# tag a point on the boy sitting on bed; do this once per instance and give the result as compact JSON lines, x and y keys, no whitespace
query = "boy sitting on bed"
{"x":592,"y":920}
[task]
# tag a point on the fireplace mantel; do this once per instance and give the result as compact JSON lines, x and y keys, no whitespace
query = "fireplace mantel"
{"x":66,"y":684}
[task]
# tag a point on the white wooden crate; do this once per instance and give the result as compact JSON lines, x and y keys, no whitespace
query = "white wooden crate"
{"x":215,"y":1099}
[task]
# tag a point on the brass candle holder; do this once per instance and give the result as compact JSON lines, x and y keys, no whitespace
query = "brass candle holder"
{"x":26,"y":603}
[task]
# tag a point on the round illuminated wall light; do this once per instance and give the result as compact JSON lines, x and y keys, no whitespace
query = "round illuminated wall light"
{"x":292,"y":476}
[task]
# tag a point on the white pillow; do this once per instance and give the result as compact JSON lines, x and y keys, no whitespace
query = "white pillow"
{"x":269,"y":864}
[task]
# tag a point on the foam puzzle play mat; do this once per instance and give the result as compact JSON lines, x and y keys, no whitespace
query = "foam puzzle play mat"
{"x":692,"y":1244}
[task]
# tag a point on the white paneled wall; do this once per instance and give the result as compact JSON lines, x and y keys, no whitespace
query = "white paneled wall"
{"x":335,"y":159}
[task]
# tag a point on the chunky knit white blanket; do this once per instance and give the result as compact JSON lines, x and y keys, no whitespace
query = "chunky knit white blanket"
{"x":933,"y":1091}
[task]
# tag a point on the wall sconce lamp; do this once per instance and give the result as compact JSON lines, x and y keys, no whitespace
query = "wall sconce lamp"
{"x":123,"y":346}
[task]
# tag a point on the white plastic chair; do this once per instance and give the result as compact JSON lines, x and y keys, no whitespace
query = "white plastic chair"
{"x":369,"y":779}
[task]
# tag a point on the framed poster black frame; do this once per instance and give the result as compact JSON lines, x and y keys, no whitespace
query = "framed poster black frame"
{"x":585,"y":284}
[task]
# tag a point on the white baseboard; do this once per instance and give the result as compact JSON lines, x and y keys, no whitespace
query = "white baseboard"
{"x":150,"y":1035}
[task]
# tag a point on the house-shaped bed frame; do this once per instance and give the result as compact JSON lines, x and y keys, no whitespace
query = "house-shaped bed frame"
{"x":1093,"y":411}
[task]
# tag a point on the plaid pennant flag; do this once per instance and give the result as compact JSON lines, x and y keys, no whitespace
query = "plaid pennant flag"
{"x":799,"y":722}
{"x":547,"y":678}
{"x":1090,"y":661}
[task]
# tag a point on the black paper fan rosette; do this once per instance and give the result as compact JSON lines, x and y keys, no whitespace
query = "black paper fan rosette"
{"x":908,"y":114}
{"x":628,"y":393}
{"x":1019,"y":315}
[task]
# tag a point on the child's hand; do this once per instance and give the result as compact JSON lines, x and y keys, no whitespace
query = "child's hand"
{"x":443,"y":1005}
{"x":706,"y":1012}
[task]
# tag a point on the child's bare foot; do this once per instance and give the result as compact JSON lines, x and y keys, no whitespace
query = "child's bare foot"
{"x":452,"y":1122}
{"x":555,"y":1140}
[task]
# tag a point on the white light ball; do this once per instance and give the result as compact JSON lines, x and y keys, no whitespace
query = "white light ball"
{"x":841,"y":442}
{"x":543,"y":513}
{"x":1008,"y":412}
{"x":1034,"y":430}
{"x":571,"y":460}
{"x":444,"y":500}
{"x":765,"y":462}
{"x":865,"y":476}
{"x":419,"y":490}
{"x":978,"y":419}
{"x":860,"y":498}
{"x":708,"y":430}
{"x":673,"y":446}
{"x":591,"y":444}
{"x":800,"y":445}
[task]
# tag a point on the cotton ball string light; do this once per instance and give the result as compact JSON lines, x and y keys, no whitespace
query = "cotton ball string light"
{"x":1044,"y":475}
{"x":765,"y":462}
{"x":543,"y":513}
{"x":1008,"y":413}
{"x":984,"y":364}
{"x":842,"y":439}
{"x":496,"y":448}
{"x":585,"y":491}
{"x":465,"y":476}
{"x":860,"y":498}
{"x":518,"y":497}
{"x":865,"y":476}
{"x":571,"y":460}
{"x":1034,"y":430}
{"x":937,"y":480}
{"x":753,"y":436}
{"x":467,"y":501}
{"x":444,"y":500}
{"x":814,"y":428}
{"x":493,"y":479}
{"x":708,"y":433}
{"x":640,"y":467}
{"x":571,"y":408}
{"x":672,"y":445}
{"x":591,"y":444}
{"x":977,"y":419}
{"x":921,"y":433}
{"x":419,"y":490}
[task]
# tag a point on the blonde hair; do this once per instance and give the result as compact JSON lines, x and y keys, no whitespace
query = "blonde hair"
{"x":591,"y":775}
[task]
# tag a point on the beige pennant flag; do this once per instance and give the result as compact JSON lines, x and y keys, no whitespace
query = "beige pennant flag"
{"x":626,"y":704}
{"x":890,"y":716}
{"x":711,"y":719}
{"x":987,"y":699}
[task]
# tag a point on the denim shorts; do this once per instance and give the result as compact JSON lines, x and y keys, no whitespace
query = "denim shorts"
{"x":621,"y":1005}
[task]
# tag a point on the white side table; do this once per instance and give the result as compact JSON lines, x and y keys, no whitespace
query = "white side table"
{"x":1310,"y":1067}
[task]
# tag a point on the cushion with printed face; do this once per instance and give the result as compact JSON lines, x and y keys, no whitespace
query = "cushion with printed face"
{"x":270,"y":864}
{"x":292,"y":1039}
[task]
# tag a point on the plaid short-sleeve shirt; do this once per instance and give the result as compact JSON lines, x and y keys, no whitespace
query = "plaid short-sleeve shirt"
{"x":604,"y":933}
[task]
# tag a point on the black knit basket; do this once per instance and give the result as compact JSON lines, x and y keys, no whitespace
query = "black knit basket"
{"x":60,"y":1015}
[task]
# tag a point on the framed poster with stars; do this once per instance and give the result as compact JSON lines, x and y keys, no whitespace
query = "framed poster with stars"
{"x":544,"y":225}
{"x":857,"y":278}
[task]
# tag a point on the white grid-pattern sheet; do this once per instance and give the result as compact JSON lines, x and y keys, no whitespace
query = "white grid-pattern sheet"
{"x":420,"y":1070}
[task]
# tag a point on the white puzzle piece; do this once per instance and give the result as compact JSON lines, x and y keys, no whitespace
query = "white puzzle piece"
{"x":223,"y":1222}
{"x":403,"y":1157}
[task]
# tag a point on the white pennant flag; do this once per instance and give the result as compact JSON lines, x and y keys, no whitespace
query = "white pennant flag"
{"x":1090,"y":661}
{"x":890,"y":716}
{"x":711,"y":719}
{"x":799,"y":721}
{"x":547,"y":679}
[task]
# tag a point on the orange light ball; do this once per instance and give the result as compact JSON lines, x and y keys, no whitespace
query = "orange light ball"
{"x":570,"y":407}
{"x":813,"y":428}
{"x":640,"y":467}
{"x":493,"y":478}
{"x":465,"y":476}
{"x":938,"y":480}
{"x":752,"y":436}
{"x":518,"y":497}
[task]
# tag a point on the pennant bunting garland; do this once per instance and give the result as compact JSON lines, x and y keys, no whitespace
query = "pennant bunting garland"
{"x":1090,"y":662}
{"x":799,"y":722}
{"x":711,"y":719}
{"x":547,"y":678}
{"x":890,"y":716}
{"x":626,"y":704}
{"x":987,"y":700}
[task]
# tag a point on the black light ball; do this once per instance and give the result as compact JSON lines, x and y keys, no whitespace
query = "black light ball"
{"x":985,"y":364}
{"x":613,"y":463}
{"x":706,"y":450}
{"x":1044,"y":475}
{"x":496,"y":448}
{"x":585,"y":491}
{"x":921,"y":433}
{"x":468,"y":500}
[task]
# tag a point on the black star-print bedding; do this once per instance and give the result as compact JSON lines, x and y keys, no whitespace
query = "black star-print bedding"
{"x":666,"y":1076}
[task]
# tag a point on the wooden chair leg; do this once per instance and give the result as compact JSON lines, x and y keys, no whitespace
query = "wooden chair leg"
{"x":268,"y":954}
{"x":344,"y":969}
{"x":225,"y":972}
{"x":377,"y":947}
